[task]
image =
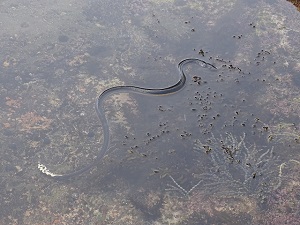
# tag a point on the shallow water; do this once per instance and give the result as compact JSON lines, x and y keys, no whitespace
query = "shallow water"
{"x":223,"y":150}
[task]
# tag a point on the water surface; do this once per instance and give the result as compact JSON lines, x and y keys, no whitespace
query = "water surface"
{"x":223,"y":150}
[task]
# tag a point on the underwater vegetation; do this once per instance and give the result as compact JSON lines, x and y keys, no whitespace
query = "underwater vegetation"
{"x":239,"y":183}
{"x":236,"y":168}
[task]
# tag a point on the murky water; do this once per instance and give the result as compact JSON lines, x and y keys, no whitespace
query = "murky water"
{"x":222,"y":150}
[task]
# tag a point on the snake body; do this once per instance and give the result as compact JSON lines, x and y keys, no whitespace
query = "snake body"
{"x":101,"y":115}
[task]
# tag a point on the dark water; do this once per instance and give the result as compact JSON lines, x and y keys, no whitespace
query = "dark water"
{"x":223,"y":150}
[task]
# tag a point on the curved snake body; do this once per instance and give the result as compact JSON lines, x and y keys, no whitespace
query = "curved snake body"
{"x":101,"y":115}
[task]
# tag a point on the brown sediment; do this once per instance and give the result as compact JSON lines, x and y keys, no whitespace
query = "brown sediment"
{"x":32,"y":121}
{"x":296,"y":3}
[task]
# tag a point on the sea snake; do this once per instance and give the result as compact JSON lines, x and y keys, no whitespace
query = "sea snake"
{"x":101,"y":115}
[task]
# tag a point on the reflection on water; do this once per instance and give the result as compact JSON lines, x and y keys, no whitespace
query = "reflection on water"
{"x":223,"y":150}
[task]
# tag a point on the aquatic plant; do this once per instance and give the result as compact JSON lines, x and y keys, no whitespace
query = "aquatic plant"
{"x":235,"y":168}
{"x":178,"y":187}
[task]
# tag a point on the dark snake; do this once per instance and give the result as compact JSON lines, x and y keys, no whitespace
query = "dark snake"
{"x":101,"y":115}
